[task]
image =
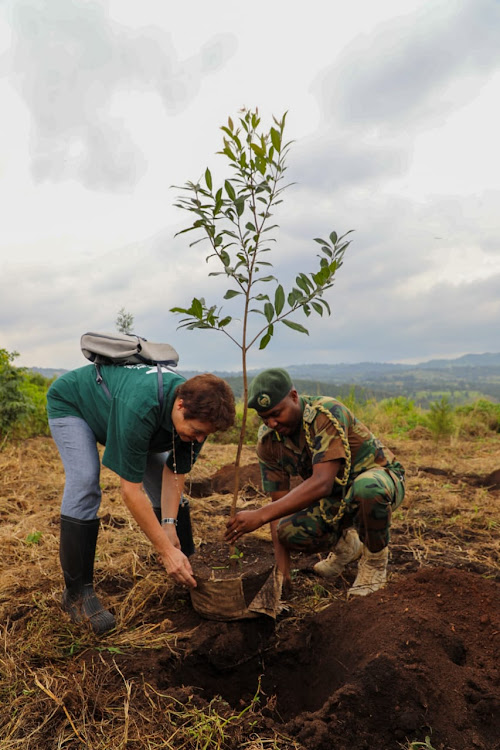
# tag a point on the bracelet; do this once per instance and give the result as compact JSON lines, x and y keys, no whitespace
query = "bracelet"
{"x":164,"y":521}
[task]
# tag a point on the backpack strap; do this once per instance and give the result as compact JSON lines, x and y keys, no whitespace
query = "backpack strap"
{"x":100,"y":381}
{"x":160,"y":385}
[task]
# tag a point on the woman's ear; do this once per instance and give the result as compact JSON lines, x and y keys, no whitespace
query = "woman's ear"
{"x":180,"y":403}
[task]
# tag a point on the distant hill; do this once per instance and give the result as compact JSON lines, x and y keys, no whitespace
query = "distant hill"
{"x":48,"y":372}
{"x":462,"y":380}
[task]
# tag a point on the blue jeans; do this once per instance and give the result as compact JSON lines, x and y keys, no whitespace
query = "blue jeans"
{"x":77,"y":446}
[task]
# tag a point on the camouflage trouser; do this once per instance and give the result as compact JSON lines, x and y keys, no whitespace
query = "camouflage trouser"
{"x":367,"y":505}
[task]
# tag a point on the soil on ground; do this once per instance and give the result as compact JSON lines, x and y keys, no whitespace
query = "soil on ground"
{"x":416,"y":662}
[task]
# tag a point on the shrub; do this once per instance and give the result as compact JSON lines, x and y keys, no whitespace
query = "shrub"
{"x":232,"y":435}
{"x":479,"y":418}
{"x":440,"y":419}
{"x":14,"y":403}
{"x":397,"y":415}
{"x":23,"y":398}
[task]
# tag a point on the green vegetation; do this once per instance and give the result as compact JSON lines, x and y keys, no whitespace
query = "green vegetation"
{"x":426,"y":745}
{"x":124,"y":321}
{"x":22,"y":400}
{"x":234,"y":219}
{"x":440,"y":419}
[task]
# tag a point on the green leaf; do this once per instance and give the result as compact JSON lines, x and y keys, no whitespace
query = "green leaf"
{"x":321,"y":242}
{"x":302,"y":284}
{"x":229,"y":153}
{"x":316,"y":306}
{"x":276,"y":139}
{"x":208,"y":179}
{"x":225,"y":321}
{"x":179,"y":310}
{"x":307,"y":281}
{"x":333,"y":238}
{"x":264,"y":341}
{"x":279,"y":299}
{"x":231,"y":293}
{"x":239,"y":204}
{"x":295,"y":326}
{"x":261,"y":164}
{"x":196,"y":308}
{"x":258,"y":150}
{"x":269,"y":311}
{"x":230,"y":190}
{"x":267,"y":278}
{"x":34,"y":537}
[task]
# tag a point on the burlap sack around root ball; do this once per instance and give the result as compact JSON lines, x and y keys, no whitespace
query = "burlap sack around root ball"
{"x":224,"y":599}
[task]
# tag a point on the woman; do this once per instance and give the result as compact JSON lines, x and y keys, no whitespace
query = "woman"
{"x":149,"y":444}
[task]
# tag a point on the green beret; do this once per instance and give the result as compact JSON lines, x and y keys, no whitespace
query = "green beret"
{"x":268,"y":388}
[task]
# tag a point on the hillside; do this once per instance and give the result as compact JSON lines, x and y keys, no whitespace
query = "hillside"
{"x":462,"y":380}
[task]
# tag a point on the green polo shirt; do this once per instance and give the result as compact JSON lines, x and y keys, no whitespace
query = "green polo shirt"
{"x":130,"y":424}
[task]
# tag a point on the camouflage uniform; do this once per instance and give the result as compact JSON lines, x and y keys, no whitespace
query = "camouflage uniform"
{"x":370,"y":485}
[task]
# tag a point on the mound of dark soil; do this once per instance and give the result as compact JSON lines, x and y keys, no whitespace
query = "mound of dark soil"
{"x":414,"y":659}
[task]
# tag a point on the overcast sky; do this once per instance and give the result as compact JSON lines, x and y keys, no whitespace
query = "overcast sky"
{"x":394,"y":112}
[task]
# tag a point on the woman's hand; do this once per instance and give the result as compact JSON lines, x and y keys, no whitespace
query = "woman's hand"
{"x":171,"y":533}
{"x":175,"y":562}
{"x":178,"y":566}
{"x":242,"y":523}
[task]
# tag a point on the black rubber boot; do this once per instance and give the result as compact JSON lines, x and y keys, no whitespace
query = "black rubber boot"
{"x":184,"y":528}
{"x":76,"y":553}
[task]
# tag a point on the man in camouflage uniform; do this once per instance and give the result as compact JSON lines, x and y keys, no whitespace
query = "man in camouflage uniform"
{"x":351,"y":483}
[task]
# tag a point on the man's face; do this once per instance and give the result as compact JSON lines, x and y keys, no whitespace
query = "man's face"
{"x":189,"y":430}
{"x":286,"y":416}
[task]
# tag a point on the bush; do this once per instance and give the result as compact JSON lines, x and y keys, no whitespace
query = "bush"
{"x":396,"y":416}
{"x":14,"y":403}
{"x":479,"y":418}
{"x":440,"y":419}
{"x":232,"y":435}
{"x":23,"y":398}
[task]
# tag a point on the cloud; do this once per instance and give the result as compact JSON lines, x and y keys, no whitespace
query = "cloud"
{"x":335,"y":161}
{"x":70,"y":63}
{"x":413,"y":69}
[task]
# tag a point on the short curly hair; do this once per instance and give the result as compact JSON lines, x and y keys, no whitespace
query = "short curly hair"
{"x":208,"y":398}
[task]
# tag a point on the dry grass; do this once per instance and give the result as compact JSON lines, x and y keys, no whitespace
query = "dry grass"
{"x":61,"y":687}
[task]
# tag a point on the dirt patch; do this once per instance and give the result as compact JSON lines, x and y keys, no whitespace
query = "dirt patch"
{"x":419,"y":658}
{"x":222,"y":482}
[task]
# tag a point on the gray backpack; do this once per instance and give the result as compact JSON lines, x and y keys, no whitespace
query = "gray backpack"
{"x":127,"y":349}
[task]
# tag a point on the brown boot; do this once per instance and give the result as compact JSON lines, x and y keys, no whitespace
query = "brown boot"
{"x":372,"y":572}
{"x":347,"y":549}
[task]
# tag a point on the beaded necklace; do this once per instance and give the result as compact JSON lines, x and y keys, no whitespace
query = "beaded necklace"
{"x":347,"y":448}
{"x":174,"y":457}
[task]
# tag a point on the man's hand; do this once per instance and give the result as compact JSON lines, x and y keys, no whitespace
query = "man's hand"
{"x":242,"y":523}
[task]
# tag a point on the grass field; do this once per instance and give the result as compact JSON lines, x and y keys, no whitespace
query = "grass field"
{"x":415,"y":661}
